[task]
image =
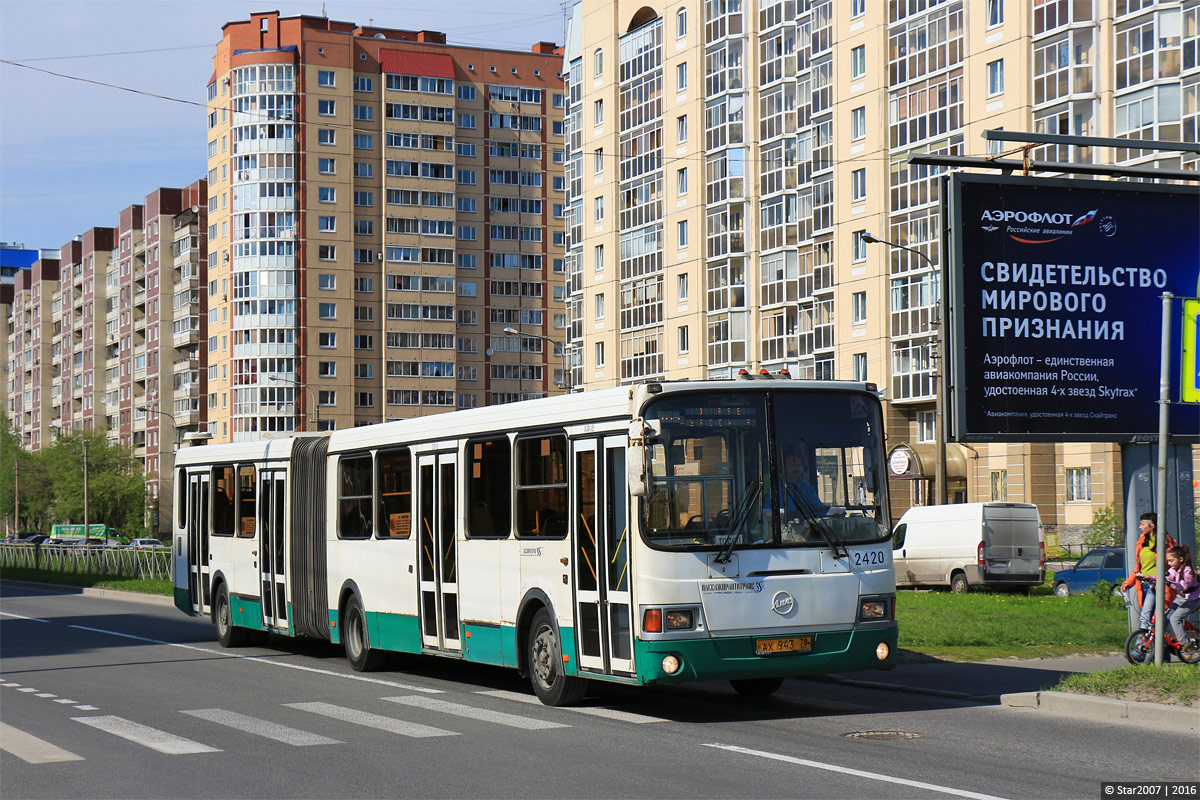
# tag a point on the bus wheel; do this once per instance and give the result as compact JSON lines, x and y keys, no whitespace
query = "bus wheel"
{"x":550,"y":684}
{"x":756,"y":687}
{"x":354,"y":636}
{"x":958,"y":583}
{"x":228,"y":634}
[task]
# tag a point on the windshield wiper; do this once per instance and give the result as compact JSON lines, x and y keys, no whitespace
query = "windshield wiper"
{"x":806,"y":508}
{"x":739,"y":515}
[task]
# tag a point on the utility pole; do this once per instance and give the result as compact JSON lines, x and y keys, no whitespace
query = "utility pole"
{"x":16,"y":493}
{"x":86,"y":528}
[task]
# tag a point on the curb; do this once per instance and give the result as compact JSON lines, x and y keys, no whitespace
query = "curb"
{"x":1106,"y":709}
{"x":110,"y":594}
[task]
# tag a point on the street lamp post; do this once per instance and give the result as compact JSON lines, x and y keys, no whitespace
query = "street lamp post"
{"x":168,"y":415}
{"x":316,"y":409}
{"x":562,"y":354}
{"x":939,"y":424}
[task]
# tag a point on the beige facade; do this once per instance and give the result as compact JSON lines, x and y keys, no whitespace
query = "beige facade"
{"x":382,"y":207}
{"x":725,"y":159}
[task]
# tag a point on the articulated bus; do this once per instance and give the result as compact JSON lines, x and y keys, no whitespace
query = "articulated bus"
{"x":647,"y":534}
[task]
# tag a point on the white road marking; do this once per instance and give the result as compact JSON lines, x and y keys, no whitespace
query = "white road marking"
{"x":260,"y":727}
{"x":369,"y":720}
{"x":146,"y":736}
{"x":27,"y":689}
{"x":86,"y":708}
{"x":9,"y":685}
{"x":30,"y":748}
{"x":595,"y":711}
{"x":18,"y":616}
{"x":875,"y":776}
{"x":66,"y":702}
{"x":45,"y":694}
{"x":471,"y":712}
{"x":262,"y":660}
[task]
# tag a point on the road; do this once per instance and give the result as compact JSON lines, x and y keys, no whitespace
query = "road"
{"x":106,"y":697}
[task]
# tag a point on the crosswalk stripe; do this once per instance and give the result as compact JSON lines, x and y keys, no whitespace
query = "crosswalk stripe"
{"x":144,"y":735}
{"x":369,"y":720}
{"x":86,"y":708}
{"x":30,"y":748}
{"x":27,"y":689}
{"x":260,"y":727}
{"x":595,"y":711}
{"x":471,"y":712}
{"x":66,"y":702}
{"x":45,"y":694}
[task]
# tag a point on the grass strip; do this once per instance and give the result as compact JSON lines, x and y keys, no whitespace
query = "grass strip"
{"x":1170,"y":683}
{"x":141,"y":585}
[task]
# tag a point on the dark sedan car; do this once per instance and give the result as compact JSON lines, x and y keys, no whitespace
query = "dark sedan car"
{"x":1104,"y":563}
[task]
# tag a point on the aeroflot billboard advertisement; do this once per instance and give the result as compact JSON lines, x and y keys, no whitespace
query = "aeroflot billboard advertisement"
{"x":1055,"y":309}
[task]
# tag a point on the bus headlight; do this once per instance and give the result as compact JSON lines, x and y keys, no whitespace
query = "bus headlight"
{"x":671,"y":665}
{"x":680,"y":620}
{"x":873,"y":610}
{"x":882,"y":651}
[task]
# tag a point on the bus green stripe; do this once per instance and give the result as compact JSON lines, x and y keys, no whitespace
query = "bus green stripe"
{"x":246,"y":612}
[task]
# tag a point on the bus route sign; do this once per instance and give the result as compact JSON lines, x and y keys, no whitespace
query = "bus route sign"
{"x":1054,"y":304}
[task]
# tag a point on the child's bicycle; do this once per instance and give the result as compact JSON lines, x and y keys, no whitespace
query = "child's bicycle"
{"x":1139,"y":647}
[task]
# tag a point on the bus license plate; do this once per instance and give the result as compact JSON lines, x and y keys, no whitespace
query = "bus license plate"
{"x":788,"y":644}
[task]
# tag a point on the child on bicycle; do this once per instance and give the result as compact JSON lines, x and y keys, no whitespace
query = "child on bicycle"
{"x":1181,"y":576}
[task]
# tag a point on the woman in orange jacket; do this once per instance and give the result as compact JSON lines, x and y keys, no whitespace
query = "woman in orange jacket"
{"x":1145,"y":566}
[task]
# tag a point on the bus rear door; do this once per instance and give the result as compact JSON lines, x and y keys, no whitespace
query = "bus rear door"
{"x":600,"y":537}
{"x":438,"y":552}
{"x":197,"y":533}
{"x":272,"y":575}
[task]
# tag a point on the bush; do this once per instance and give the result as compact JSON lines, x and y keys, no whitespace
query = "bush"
{"x":1102,"y":594}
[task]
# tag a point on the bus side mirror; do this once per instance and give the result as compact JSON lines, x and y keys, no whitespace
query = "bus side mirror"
{"x":635,"y":459}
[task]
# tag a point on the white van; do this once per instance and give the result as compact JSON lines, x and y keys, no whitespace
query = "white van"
{"x":970,"y":544}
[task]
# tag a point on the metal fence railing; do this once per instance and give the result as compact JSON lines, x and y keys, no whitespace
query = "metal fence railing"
{"x":116,"y":562}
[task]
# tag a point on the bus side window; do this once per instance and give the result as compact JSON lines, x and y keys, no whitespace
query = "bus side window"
{"x":247,"y":495}
{"x":222,"y":501}
{"x":393,"y":476}
{"x":354,"y":498}
{"x":542,"y":486}
{"x":489,"y":488}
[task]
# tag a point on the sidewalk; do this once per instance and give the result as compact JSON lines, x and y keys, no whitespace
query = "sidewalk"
{"x":1022,"y":684}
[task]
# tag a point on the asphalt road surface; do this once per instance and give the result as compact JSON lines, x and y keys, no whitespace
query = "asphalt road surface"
{"x":106,"y":697}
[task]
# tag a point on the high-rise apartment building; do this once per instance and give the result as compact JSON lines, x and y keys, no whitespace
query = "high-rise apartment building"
{"x":108,"y":334}
{"x":382,"y":207}
{"x":725,"y":160}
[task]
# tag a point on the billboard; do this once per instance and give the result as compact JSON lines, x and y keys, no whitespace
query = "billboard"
{"x":1055,"y":311}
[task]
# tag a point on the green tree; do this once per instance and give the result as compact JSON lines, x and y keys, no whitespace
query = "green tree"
{"x":22,"y":478}
{"x":116,"y":485}
{"x":1107,"y":528}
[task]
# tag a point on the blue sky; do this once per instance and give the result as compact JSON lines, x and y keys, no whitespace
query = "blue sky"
{"x":73,"y":154}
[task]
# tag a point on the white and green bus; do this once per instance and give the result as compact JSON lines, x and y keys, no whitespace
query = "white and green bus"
{"x":646,"y":534}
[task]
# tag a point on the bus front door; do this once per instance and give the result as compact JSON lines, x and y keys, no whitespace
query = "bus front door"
{"x":600,"y":536}
{"x":438,"y":552}
{"x":198,"y":570}
{"x":272,"y":576}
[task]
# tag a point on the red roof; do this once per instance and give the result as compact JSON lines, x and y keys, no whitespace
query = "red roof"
{"x":407,"y":62}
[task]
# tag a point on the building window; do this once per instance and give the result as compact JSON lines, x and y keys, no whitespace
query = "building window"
{"x":326,"y":281}
{"x":681,"y":132}
{"x":364,"y":199}
{"x":598,"y":63}
{"x":326,"y":136}
{"x":363,"y":141}
{"x":681,"y":288}
{"x":599,"y":306}
{"x":466,"y":92}
{"x":598,"y":160}
{"x":327,"y":397}
{"x":683,"y":343}
{"x":681,"y":187}
{"x":326,"y":340}
{"x":325,"y":77}
{"x":1000,"y":485}
{"x":858,"y":308}
{"x":326,"y":108}
{"x":858,"y":184}
{"x":925,"y":427}
{"x":327,"y":224}
{"x":327,"y":252}
{"x":1079,"y":484}
{"x":860,"y":246}
{"x":858,"y":122}
{"x":598,"y":112}
{"x":995,"y":77}
{"x":364,"y":227}
{"x":995,"y":13}
{"x":598,"y":254}
{"x":860,"y":366}
{"x":363,"y":83}
{"x":327,"y":310}
{"x":326,"y":369}
{"x":858,"y":61}
{"x":681,"y":23}
{"x":858,"y":8}
{"x":466,"y":121}
{"x":598,"y":205}
{"x":681,"y":234}
{"x":599,"y":354}
{"x":364,"y":113}
{"x":364,"y":284}
{"x":681,"y":76}
{"x":363,"y":169}
{"x":326,"y":194}
{"x":325,"y":166}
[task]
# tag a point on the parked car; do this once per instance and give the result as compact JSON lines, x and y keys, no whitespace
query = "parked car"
{"x":91,"y":541}
{"x":1101,"y":564}
{"x":970,"y":545}
{"x":28,"y":537}
{"x":145,"y":544}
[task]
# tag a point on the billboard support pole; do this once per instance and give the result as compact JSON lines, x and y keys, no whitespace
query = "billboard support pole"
{"x":1160,"y":501}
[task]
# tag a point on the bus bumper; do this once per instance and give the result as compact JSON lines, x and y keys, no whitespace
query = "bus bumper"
{"x":731,"y":658}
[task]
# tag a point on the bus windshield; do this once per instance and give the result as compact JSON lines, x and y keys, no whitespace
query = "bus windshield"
{"x":764,"y":469}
